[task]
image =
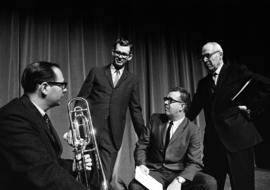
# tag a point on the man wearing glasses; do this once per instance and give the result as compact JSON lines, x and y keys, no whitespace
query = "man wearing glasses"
{"x":30,"y":148}
{"x":110,"y":90}
{"x":169,"y":149}
{"x":231,"y":96}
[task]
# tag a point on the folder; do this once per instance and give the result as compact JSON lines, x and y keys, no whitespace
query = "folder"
{"x":146,"y":180}
{"x":241,"y":90}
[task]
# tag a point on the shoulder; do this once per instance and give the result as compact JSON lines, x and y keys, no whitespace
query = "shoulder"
{"x":14,"y":114}
{"x":13,"y":105}
{"x":99,"y":69}
{"x":192,"y":126}
{"x":159,"y":117}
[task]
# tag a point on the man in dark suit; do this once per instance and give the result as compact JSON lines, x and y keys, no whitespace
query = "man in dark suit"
{"x":29,"y":146}
{"x":110,"y":90}
{"x":169,"y":149}
{"x":230,"y":135}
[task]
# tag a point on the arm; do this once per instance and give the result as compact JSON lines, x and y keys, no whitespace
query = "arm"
{"x":261,"y":96}
{"x":140,"y":153}
{"x":87,"y":86}
{"x":136,"y":110}
{"x":193,"y":162}
{"x":196,"y":104}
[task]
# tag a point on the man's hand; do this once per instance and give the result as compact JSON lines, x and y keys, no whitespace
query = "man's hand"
{"x":68,"y":137}
{"x":144,"y":169}
{"x":87,"y":159}
{"x":245,"y":110}
{"x":175,"y":185}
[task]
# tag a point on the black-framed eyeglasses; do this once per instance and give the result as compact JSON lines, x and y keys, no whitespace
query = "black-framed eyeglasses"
{"x":121,"y":54}
{"x":208,"y":55}
{"x":62,"y":85}
{"x":171,"y":100}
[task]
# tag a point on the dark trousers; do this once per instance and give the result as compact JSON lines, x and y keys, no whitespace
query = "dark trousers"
{"x":108,"y":154}
{"x":239,"y":165}
{"x":201,"y":180}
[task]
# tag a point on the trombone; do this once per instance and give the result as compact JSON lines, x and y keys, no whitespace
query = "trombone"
{"x":84,"y":140}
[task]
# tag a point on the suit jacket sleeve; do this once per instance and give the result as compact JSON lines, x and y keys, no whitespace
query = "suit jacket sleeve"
{"x":262,"y":95}
{"x":193,"y":162}
{"x":140,"y":153}
{"x":27,"y":155}
{"x":197,"y":103}
{"x":87,"y":86}
{"x":136,"y":110}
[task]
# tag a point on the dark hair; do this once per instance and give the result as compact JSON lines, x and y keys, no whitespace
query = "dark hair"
{"x":184,"y":95}
{"x":36,"y":73}
{"x":123,"y":42}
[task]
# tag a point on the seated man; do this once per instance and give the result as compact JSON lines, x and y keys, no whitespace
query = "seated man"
{"x":170,"y":149}
{"x":30,"y":149}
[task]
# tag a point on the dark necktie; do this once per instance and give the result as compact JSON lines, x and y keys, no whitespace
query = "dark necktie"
{"x":167,"y":140}
{"x":49,"y":126}
{"x":213,"y":84}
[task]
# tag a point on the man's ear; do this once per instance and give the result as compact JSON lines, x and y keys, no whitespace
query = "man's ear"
{"x":130,"y":57}
{"x":182,"y":107}
{"x":44,"y":89}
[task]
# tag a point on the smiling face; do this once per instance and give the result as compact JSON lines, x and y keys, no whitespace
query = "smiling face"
{"x":121,"y":54}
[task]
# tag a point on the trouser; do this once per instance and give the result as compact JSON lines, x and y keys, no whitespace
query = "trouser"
{"x":239,"y":165}
{"x":108,"y":154}
{"x":201,"y":180}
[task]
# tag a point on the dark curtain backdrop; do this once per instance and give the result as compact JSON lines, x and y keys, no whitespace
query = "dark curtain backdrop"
{"x":167,"y":40}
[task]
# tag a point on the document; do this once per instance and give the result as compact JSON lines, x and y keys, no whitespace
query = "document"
{"x":148,"y":181}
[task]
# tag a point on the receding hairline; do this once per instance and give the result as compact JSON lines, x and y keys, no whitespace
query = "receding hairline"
{"x":214,"y":45}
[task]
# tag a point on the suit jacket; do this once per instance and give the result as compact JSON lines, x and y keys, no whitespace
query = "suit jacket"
{"x":29,"y":157}
{"x":234,"y":129}
{"x":182,"y":154}
{"x":109,"y":102}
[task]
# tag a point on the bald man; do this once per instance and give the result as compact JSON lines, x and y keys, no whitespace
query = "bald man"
{"x":230,"y":135}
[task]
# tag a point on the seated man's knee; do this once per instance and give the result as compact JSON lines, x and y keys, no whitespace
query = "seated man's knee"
{"x":207,"y":182}
{"x":135,"y":185}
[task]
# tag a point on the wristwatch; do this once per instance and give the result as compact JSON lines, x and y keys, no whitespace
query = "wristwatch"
{"x":180,"y":179}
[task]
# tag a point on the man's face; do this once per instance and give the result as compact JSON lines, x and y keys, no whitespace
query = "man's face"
{"x":173,"y":104}
{"x":211,"y":57}
{"x":121,"y":54}
{"x":56,"y":90}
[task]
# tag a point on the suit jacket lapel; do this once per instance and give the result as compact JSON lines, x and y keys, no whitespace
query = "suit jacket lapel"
{"x":108,"y":74}
{"x":222,"y":75}
{"x":38,"y":119}
{"x":179,"y":131}
{"x":123,"y":77}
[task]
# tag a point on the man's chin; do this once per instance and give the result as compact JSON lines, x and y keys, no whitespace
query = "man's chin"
{"x":119,"y":63}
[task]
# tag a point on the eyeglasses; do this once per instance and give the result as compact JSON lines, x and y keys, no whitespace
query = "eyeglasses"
{"x":208,"y":55}
{"x":171,"y":100}
{"x":121,"y":54}
{"x":62,"y":85}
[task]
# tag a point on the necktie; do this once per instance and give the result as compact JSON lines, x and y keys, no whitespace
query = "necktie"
{"x":214,"y":77}
{"x":116,"y":78}
{"x":167,"y":140}
{"x":49,"y":126}
{"x":213,"y":82}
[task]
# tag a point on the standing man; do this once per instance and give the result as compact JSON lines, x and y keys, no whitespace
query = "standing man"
{"x":230,"y":135}
{"x":110,"y":90}
{"x":30,"y":148}
{"x":169,"y":149}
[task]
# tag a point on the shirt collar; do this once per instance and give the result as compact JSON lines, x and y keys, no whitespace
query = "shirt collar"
{"x":42,"y":112}
{"x":113,"y":69}
{"x":177,"y":122}
{"x":218,"y":69}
